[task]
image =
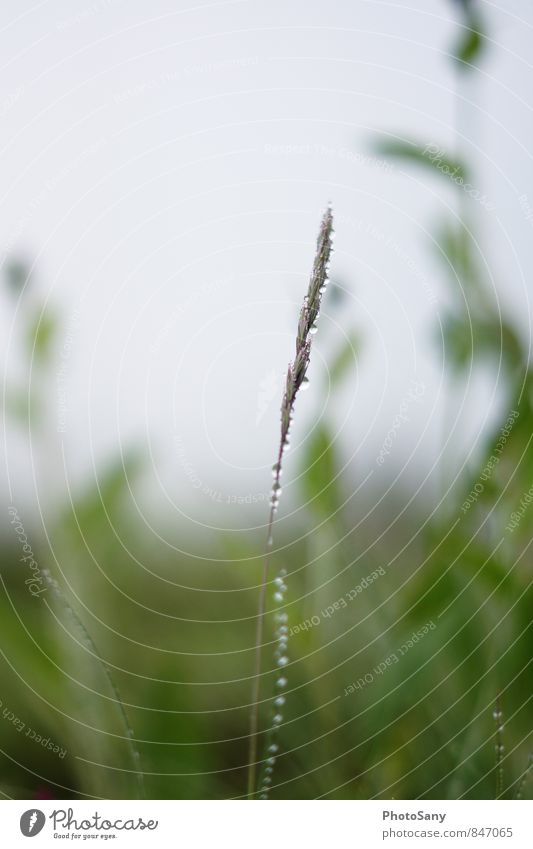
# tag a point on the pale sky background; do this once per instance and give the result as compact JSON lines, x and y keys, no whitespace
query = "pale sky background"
{"x":164,"y":166}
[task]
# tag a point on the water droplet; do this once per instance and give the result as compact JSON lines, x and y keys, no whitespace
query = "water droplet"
{"x":277,"y":719}
{"x":278,"y":597}
{"x":313,"y":329}
{"x":497,"y":715}
{"x":278,"y":582}
{"x":283,"y":660}
{"x":276,"y":469}
{"x":283,"y":629}
{"x":267,"y":780}
{"x":279,"y":701}
{"x":263,"y":796}
{"x":283,"y":572}
{"x":304,"y":384}
{"x":268,"y":770}
{"x":273,"y":748}
{"x":281,"y":617}
{"x":281,"y":683}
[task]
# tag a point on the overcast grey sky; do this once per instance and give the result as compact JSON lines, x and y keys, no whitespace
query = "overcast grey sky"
{"x":165,"y":166}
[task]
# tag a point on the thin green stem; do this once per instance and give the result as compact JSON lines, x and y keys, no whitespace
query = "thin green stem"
{"x":135,"y":757}
{"x":256,"y":685}
{"x":296,"y":376}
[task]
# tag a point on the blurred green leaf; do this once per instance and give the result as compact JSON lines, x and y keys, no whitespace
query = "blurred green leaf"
{"x":458,"y":341}
{"x":457,"y":252}
{"x":429,"y":156}
{"x":17,"y":405}
{"x":336,"y":293}
{"x":42,"y":333}
{"x":454,"y":246}
{"x":16,"y":274}
{"x":105,"y":497}
{"x":320,"y":488}
{"x":467,"y":337}
{"x":344,"y":360}
{"x":472,"y":42}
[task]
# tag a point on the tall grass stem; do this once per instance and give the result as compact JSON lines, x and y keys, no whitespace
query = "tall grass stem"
{"x":296,"y":378}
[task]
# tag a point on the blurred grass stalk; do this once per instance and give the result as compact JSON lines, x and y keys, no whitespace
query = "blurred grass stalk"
{"x":296,"y":380}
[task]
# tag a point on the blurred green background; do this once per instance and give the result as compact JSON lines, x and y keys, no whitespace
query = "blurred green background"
{"x":175,"y":638}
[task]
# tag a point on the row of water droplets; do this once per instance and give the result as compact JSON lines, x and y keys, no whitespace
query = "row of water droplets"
{"x":280,"y":653}
{"x":498,"y":719}
{"x":281,"y":618}
{"x":499,"y":747}
{"x":278,"y":702}
{"x":526,"y":774}
{"x":281,"y":658}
